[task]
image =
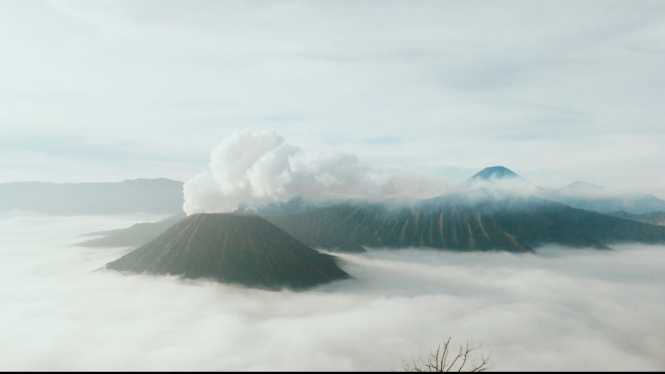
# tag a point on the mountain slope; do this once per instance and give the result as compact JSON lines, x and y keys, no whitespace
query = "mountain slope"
{"x":459,"y":223}
{"x":133,"y":236}
{"x":496,"y":209}
{"x":654,"y":218}
{"x":593,"y":197}
{"x":235,"y":248}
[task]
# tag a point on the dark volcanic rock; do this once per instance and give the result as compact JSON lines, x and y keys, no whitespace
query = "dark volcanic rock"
{"x":235,"y":248}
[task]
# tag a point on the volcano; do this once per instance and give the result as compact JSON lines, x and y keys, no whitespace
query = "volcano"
{"x":496,"y":209}
{"x":462,"y":222}
{"x":232,"y":248}
{"x":496,"y":172}
{"x":496,"y":179}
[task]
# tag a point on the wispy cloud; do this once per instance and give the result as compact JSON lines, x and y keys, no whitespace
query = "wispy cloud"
{"x":256,"y":167}
{"x":470,"y":83}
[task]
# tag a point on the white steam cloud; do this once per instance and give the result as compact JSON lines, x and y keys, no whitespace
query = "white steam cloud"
{"x":556,"y":310}
{"x":498,"y":188}
{"x":260,"y":167}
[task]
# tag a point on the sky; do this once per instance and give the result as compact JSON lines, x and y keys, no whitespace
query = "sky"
{"x":557,"y":309}
{"x":557,"y":91}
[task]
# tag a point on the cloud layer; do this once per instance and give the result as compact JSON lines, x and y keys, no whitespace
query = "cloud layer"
{"x":556,"y":310}
{"x":260,"y":167}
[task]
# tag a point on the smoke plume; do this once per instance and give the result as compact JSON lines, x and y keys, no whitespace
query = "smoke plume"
{"x":257,"y":167}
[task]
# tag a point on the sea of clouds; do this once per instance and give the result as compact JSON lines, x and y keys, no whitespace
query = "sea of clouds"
{"x":558,"y":309}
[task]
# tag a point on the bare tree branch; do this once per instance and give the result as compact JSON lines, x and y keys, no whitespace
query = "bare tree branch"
{"x":437,"y":361}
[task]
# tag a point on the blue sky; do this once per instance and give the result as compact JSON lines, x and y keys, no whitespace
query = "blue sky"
{"x":556,"y":91}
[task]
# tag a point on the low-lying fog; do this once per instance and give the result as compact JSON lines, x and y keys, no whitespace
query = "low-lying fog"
{"x":559,"y":309}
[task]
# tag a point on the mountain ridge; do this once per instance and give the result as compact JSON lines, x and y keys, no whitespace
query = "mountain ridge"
{"x":160,"y":196}
{"x":451,"y":222}
{"x":474,"y":218}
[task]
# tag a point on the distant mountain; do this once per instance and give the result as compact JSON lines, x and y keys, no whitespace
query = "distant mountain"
{"x":590,"y":196}
{"x":496,"y":179}
{"x":582,"y":195}
{"x":582,"y":188}
{"x":160,"y":196}
{"x":234,"y":248}
{"x":133,"y":236}
{"x":496,"y":172}
{"x":654,"y":218}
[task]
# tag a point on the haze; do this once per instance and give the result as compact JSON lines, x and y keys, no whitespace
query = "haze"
{"x":114,"y":90}
{"x":282,"y":107}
